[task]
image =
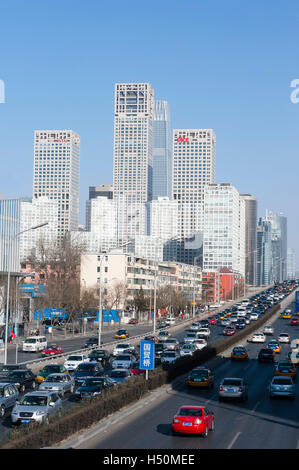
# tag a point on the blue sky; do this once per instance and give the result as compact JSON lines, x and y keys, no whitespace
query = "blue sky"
{"x":225,"y":65}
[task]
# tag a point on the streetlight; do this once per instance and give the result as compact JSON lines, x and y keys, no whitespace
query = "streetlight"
{"x":8,"y":282}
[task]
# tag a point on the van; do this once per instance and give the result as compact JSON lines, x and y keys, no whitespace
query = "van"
{"x":34,"y":344}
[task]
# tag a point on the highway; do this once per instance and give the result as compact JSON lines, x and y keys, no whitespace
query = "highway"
{"x":259,"y":423}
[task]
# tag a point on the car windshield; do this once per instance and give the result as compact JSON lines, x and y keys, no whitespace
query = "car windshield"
{"x":187,"y":346}
{"x":7,"y":368}
{"x":190,"y":412}
{"x":52,"y":368}
{"x":92,"y":382}
{"x":236,"y":382}
{"x":97,"y":353}
{"x":52,"y":347}
{"x":200,"y":374}
{"x":282,"y":381}
{"x":123,"y":357}
{"x":285,"y":365}
{"x":117,"y":374}
{"x":16,"y":374}
{"x":169,"y":354}
{"x":168,"y":341}
{"x":85,"y":367}
{"x":34,"y":400}
{"x":75,"y":358}
{"x":238,"y":350}
{"x":55,"y":378}
{"x":30,"y":340}
{"x":122,"y":346}
{"x":191,"y":335}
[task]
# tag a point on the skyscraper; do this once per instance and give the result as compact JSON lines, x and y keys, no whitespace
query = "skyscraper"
{"x":278,"y":245}
{"x":291,"y":265}
{"x":162,"y":163}
{"x":133,"y":155}
{"x":250,"y":237}
{"x":264,"y":274}
{"x":56,"y":174}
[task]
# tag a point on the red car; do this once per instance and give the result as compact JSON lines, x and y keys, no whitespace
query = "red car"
{"x":52,"y":350}
{"x":135,"y":369}
{"x":212,"y":320}
{"x":193,"y":419}
{"x":229,"y":331}
{"x":294,"y":321}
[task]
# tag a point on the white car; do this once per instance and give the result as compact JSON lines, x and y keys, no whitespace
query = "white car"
{"x":190,"y":337}
{"x":169,"y":356}
{"x":122,"y":347}
{"x":200,"y":343}
{"x":194,"y":326}
{"x":241,"y":313}
{"x":268,"y":330}
{"x":170,"y":321}
{"x":284,"y":338}
{"x":74,"y":360}
{"x":254,"y":316}
{"x":258,"y":338}
{"x":123,"y":361}
{"x":171,"y":343}
{"x":187,"y":350}
{"x":204,"y":331}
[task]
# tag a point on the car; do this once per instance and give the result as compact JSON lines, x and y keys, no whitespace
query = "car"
{"x":100,"y":355}
{"x":254,"y":316}
{"x":91,"y":342}
{"x":275,"y":346}
{"x":122,"y":334}
{"x":200,"y":343}
{"x":194,"y":326}
{"x":133,"y":321}
{"x":22,"y":379}
{"x":93,"y":386}
{"x":187,"y":349}
{"x":120,"y":375}
{"x":286,"y":368}
{"x":159,"y":348}
{"x":240,"y":324}
{"x":49,"y":369}
{"x":169,"y":356}
{"x":212,"y":320}
{"x":74,"y":360}
{"x":170,"y":321}
{"x":87,"y":369}
{"x":204,"y":331}
{"x":286,"y":315}
{"x":229,"y":331}
{"x":266,"y":355}
{"x":239,"y":353}
{"x":36,"y":407}
{"x":9,"y":394}
{"x":123,"y":361}
{"x":135,"y":369}
{"x":233,"y":387}
{"x":171,"y":344}
{"x":58,"y":383}
{"x":52,"y":350}
{"x":162,"y":335}
{"x":258,"y":338}
{"x":193,"y":419}
{"x":122,"y":347}
{"x":190,"y":336}
{"x":5,"y":369}
{"x":282,"y":387}
{"x":151,"y":338}
{"x":200,"y":377}
{"x":284,"y":338}
{"x":294,"y":321}
{"x":204,"y":324}
{"x":268,"y":330}
{"x":233,"y":318}
{"x":225,"y":322}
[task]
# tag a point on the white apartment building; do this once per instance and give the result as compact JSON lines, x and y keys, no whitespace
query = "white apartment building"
{"x":133,"y":153}
{"x":194,"y":166}
{"x":135,"y":272}
{"x":34,"y":212}
{"x":56,"y":174}
{"x":163,"y":214}
{"x":147,"y":246}
{"x":224,"y":228}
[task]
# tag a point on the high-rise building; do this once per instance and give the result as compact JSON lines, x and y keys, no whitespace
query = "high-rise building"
{"x":104,"y":190}
{"x":278,"y":245}
{"x":250,"y":237}
{"x":9,"y":229}
{"x":133,"y":155}
{"x":194,"y":166}
{"x":224,"y":229}
{"x":56,"y":174}
{"x":264,"y":274}
{"x":34,"y":212}
{"x":291,"y":264}
{"x":162,"y":164}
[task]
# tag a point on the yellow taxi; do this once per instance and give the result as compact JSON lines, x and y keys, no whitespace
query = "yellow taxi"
{"x":287,"y":315}
{"x":122,"y":334}
{"x":239,"y":353}
{"x":200,"y":377}
{"x":221,"y":315}
{"x":275,"y":346}
{"x":286,"y":368}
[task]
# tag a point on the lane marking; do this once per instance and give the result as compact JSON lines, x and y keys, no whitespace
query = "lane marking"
{"x":234,"y":440}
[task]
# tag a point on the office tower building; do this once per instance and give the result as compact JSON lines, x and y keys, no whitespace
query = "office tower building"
{"x":9,"y":240}
{"x":194,"y":161}
{"x":162,"y":223}
{"x":133,"y":155}
{"x":162,"y":164}
{"x":264,"y":275}
{"x":34,"y":212}
{"x":56,"y":174}
{"x":103,"y":190}
{"x":250,"y":237}
{"x":291,"y":264}
{"x":278,"y":245}
{"x":224,"y":229}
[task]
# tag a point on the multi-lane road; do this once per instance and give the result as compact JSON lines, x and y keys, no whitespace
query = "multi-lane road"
{"x":259,"y":423}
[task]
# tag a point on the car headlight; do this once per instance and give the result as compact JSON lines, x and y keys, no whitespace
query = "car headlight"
{"x":17,"y":384}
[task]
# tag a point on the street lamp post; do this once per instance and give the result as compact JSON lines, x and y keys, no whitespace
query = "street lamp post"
{"x":8,"y":282}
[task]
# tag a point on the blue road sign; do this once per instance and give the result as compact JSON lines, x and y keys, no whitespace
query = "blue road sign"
{"x":297,"y":302}
{"x":147,"y":353}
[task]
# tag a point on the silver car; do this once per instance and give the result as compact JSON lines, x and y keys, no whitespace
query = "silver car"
{"x":123,"y":361}
{"x":282,"y":386}
{"x":188,"y":349}
{"x":59,"y":383}
{"x":190,"y":337}
{"x":169,"y":356}
{"x":194,"y":326}
{"x":9,"y":394}
{"x":36,"y":407}
{"x":233,"y":387}
{"x":171,"y":344}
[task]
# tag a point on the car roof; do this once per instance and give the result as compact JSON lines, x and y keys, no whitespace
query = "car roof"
{"x":40,"y":392}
